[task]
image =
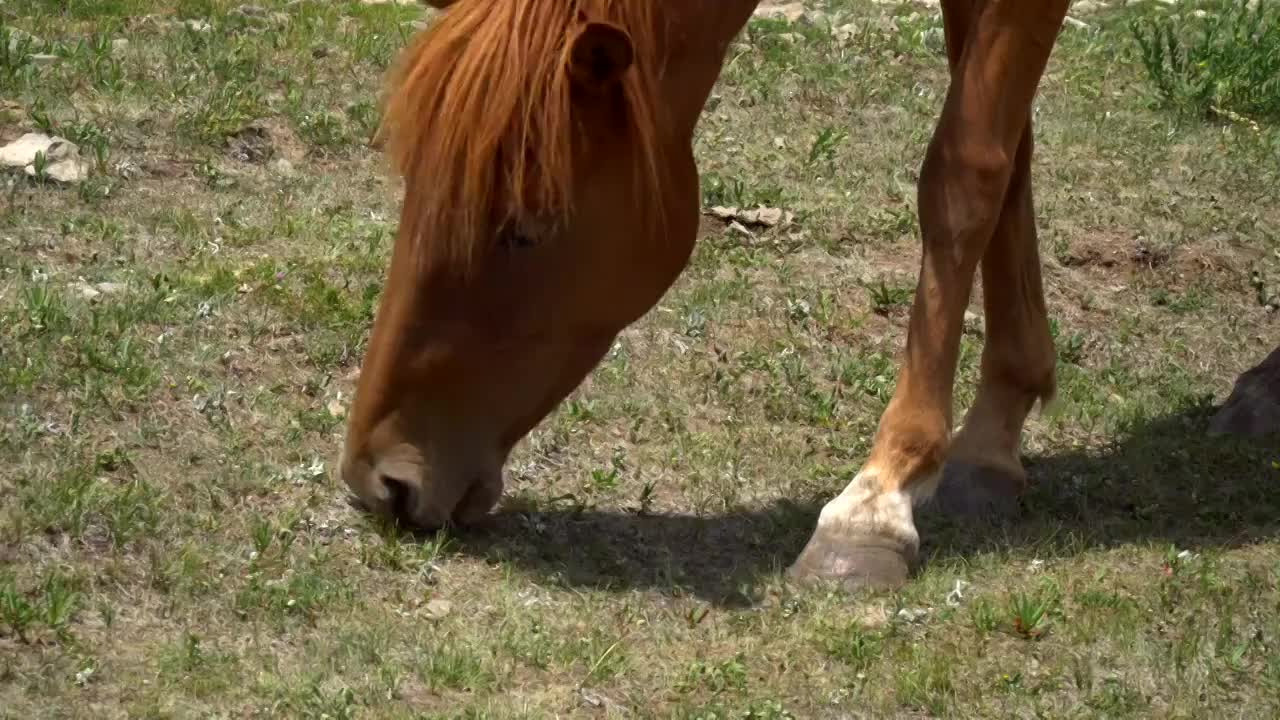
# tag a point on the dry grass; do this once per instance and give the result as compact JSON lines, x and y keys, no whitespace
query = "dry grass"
{"x":172,"y":543}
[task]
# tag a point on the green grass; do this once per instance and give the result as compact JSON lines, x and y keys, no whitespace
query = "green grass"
{"x":1223,"y":58}
{"x":173,"y":542}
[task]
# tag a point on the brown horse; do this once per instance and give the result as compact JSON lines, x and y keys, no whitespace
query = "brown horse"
{"x":551,"y":199}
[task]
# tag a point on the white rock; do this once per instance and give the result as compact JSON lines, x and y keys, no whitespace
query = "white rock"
{"x":43,"y":58}
{"x":791,"y":12}
{"x":845,"y":33}
{"x":18,"y":38}
{"x":62,"y":157}
{"x":87,"y":291}
{"x":119,"y":44}
{"x":439,"y":609}
{"x":22,"y":152}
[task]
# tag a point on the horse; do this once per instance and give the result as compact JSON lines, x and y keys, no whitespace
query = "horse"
{"x":551,"y":198}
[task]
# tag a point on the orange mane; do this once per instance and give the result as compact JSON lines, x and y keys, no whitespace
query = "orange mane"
{"x":479,"y":121}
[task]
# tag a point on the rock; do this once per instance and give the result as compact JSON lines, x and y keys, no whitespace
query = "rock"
{"x":22,"y":152}
{"x":438,"y":609}
{"x":197,"y":26}
{"x":791,"y":12}
{"x":845,"y":33}
{"x":119,"y":44}
{"x":1086,"y":7}
{"x":739,"y":228}
{"x":92,"y":292}
{"x":252,"y":144}
{"x":87,"y":291}
{"x":974,"y":323}
{"x":1253,"y":408}
{"x":43,"y":58}
{"x":762,"y":216}
{"x":283,"y":167}
{"x":251,"y":15}
{"x":20,"y":40}
{"x":61,"y":157}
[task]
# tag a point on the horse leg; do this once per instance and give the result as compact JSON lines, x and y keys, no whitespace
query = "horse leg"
{"x":866,"y":536}
{"x":983,"y":474}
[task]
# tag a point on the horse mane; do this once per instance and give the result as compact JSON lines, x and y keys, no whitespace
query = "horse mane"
{"x":479,"y":121}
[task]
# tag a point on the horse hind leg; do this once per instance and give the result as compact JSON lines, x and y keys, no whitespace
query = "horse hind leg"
{"x":866,"y":536}
{"x":983,"y":475}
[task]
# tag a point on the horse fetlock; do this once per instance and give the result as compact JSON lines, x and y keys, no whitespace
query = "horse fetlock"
{"x":865,"y":538}
{"x":975,"y":489}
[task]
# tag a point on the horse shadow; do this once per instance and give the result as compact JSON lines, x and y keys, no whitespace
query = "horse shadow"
{"x":1166,"y":481}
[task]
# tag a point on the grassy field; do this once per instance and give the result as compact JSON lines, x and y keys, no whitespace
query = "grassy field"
{"x":179,"y":335}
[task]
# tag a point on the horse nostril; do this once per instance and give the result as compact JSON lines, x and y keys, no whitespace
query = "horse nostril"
{"x":399,"y":498}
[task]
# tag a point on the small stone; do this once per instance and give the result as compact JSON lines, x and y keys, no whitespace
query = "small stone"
{"x":724,"y":213}
{"x":791,"y":12}
{"x":22,"y":152}
{"x":198,"y":26}
{"x":336,"y":408}
{"x":845,"y":33}
{"x":43,"y":58}
{"x":972,"y":322}
{"x":87,"y":291}
{"x":61,"y":157}
{"x":438,"y":609}
{"x":111,"y":288}
{"x":283,"y":167}
{"x":119,"y":44}
{"x":20,"y":38}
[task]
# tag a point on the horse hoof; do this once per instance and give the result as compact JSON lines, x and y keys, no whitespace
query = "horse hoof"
{"x":855,"y":562}
{"x":969,"y":491}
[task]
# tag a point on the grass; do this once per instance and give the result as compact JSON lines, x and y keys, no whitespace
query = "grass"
{"x":179,"y":334}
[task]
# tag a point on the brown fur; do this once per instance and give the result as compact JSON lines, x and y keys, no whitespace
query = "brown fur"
{"x":487,"y":84}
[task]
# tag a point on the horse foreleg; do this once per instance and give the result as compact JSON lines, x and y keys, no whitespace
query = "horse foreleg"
{"x":866,"y":536}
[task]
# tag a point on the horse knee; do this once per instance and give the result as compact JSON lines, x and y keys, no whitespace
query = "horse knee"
{"x":961,"y":191}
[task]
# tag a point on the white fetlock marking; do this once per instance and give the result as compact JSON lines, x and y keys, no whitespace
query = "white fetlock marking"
{"x":865,"y":506}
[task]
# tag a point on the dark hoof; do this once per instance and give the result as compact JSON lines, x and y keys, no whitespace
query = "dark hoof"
{"x":855,"y":562}
{"x":973,"y":491}
{"x":1253,"y":409}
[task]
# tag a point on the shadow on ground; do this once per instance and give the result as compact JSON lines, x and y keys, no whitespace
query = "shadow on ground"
{"x":1167,"y":481}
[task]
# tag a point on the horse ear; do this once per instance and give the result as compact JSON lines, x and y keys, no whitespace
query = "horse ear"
{"x":599,"y":54}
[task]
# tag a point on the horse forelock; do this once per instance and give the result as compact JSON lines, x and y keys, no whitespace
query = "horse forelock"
{"x":478,"y":119}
